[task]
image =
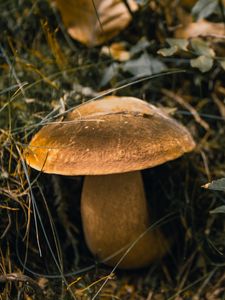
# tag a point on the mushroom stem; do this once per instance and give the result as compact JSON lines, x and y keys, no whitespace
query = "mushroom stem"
{"x":114,"y":215}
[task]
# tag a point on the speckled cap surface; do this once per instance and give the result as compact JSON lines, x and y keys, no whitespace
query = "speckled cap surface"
{"x":111,"y":135}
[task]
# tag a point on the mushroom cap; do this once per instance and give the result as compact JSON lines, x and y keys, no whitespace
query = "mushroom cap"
{"x":111,"y":135}
{"x":94,"y":23}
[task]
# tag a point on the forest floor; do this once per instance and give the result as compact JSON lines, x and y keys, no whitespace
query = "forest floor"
{"x":45,"y":72}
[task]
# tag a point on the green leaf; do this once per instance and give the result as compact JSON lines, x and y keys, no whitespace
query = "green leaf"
{"x":217,"y":185}
{"x":204,"y":8}
{"x":218,"y":210}
{"x":201,"y":47}
{"x":181,"y":44}
{"x":203,"y":63}
{"x":168,"y":51}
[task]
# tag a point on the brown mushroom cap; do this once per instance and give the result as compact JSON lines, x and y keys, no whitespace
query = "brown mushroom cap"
{"x":111,"y":135}
{"x":93,"y":23}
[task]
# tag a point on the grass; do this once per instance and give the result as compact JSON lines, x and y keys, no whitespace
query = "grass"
{"x":43,"y":74}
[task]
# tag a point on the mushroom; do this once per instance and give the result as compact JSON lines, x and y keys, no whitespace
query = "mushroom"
{"x":95,"y":22}
{"x":110,"y":141}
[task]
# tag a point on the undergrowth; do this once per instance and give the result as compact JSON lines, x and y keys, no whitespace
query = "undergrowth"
{"x":42,"y":249}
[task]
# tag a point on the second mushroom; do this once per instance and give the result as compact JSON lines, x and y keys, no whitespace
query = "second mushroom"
{"x":110,"y":141}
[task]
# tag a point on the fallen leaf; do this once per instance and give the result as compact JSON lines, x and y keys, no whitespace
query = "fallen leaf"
{"x":117,"y":51}
{"x":218,"y":210}
{"x":203,"y":63}
{"x":145,"y":65}
{"x":181,"y":44}
{"x":175,"y":46}
{"x":109,"y":73}
{"x":204,"y":8}
{"x":202,"y":48}
{"x":200,"y":28}
{"x":168,"y":51}
{"x":141,"y":46}
{"x":217,"y":185}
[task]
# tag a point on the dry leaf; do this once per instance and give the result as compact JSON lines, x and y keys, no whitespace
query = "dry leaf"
{"x":92,"y":22}
{"x":202,"y":62}
{"x":168,"y":51}
{"x":204,"y":8}
{"x":145,"y":65}
{"x":181,"y":44}
{"x":201,"y":47}
{"x":216,"y":185}
{"x":175,"y":46}
{"x":117,"y":51}
{"x":200,"y":28}
{"x":190,"y":3}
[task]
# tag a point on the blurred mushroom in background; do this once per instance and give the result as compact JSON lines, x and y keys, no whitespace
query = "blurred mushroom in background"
{"x":93,"y":22}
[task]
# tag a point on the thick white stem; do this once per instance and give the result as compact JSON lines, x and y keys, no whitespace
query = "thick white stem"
{"x":115,"y":214}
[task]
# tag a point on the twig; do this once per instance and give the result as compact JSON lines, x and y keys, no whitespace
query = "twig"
{"x":186,"y":105}
{"x":7,"y":227}
{"x":219,"y":104}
